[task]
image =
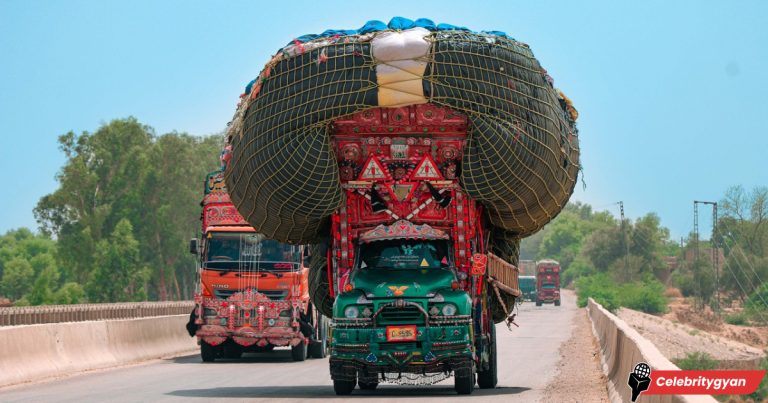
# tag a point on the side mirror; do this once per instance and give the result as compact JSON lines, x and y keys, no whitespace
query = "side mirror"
{"x":193,"y":249}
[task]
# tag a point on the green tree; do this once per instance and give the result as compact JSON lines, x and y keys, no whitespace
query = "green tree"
{"x":17,"y":278}
{"x":43,"y":287}
{"x":124,"y":171}
{"x":69,"y":293}
{"x":119,"y":274}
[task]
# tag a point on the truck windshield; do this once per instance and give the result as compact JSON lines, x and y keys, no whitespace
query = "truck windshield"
{"x":405,"y":254}
{"x":249,"y":251}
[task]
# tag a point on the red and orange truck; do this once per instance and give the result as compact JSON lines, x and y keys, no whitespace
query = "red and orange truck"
{"x":547,"y":282}
{"x":253,"y":292}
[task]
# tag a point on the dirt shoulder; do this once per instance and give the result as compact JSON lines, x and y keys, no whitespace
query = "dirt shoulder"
{"x":675,"y":340}
{"x":579,"y":376}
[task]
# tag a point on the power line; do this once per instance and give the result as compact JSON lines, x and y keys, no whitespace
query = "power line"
{"x":713,"y":242}
{"x":730,"y":270}
{"x":756,"y":288}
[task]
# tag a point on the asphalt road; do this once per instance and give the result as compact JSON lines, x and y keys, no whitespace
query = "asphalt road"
{"x":528,"y":357}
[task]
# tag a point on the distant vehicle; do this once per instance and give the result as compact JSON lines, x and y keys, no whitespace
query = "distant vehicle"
{"x":528,"y":287}
{"x":527,"y":268}
{"x":253,"y":292}
{"x":547,"y":282}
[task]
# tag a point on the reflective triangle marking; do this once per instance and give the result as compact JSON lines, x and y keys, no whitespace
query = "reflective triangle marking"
{"x":424,"y":263}
{"x":426,"y":170}
{"x":373,"y":169}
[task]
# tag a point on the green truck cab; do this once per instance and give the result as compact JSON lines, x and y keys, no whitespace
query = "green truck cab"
{"x":403,"y":311}
{"x":528,"y":287}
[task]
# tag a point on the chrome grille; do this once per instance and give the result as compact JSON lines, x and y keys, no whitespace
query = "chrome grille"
{"x":403,"y":315}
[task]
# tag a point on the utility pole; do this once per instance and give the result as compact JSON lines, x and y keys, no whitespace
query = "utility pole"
{"x":713,"y":242}
{"x":626,"y":241}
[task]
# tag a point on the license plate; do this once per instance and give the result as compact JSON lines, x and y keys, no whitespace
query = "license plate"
{"x":401,"y":333}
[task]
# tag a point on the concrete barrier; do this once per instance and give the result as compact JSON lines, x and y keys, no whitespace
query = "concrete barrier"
{"x":622,"y":347}
{"x":35,"y":352}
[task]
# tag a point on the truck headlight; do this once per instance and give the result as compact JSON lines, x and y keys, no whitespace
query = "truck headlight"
{"x":449,"y":309}
{"x":351,"y":312}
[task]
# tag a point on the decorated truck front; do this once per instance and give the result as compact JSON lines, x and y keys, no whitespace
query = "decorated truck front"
{"x":547,"y":282}
{"x":253,"y":292}
{"x":404,"y":311}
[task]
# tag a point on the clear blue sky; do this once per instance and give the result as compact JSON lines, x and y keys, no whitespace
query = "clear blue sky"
{"x":673,"y":96}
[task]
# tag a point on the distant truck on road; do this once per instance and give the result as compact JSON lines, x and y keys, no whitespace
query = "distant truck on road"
{"x":547,"y":282}
{"x":528,"y":287}
{"x":527,"y":267}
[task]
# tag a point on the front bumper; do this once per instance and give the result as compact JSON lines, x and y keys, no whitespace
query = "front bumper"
{"x":349,"y":370}
{"x":248,"y":336}
{"x":436,"y":348}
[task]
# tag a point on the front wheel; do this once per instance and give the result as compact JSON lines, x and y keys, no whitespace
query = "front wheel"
{"x":488,"y":378}
{"x":464,"y":381}
{"x":343,"y":387}
{"x":208,"y":352}
{"x":538,"y":303}
{"x":299,"y":352}
{"x":557,"y":303}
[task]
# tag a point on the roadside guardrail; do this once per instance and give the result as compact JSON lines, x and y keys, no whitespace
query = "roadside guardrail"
{"x":30,"y":315}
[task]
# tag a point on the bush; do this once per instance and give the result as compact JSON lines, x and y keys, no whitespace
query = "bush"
{"x":736,"y":318}
{"x":599,"y":287}
{"x":646,"y":295}
{"x":758,"y":299}
{"x":697,"y":361}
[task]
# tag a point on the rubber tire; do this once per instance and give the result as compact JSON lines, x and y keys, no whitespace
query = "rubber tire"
{"x":557,"y":303}
{"x":489,"y":378}
{"x":343,"y":387}
{"x":319,"y":289}
{"x":368,"y":385}
{"x":538,"y":303}
{"x":208,"y":352}
{"x":299,"y":352}
{"x":464,"y":385}
{"x":318,"y":347}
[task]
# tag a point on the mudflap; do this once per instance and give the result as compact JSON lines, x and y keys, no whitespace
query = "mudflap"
{"x":305,"y":326}
{"x":191,"y":326}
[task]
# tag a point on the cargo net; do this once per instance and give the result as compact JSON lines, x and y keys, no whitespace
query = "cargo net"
{"x":521,"y":160}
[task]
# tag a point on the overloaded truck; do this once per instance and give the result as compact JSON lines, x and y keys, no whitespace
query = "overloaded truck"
{"x":413,"y":156}
{"x":253,"y":293}
{"x":547,"y":282}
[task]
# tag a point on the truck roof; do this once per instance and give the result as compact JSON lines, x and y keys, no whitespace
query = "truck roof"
{"x":229,"y":228}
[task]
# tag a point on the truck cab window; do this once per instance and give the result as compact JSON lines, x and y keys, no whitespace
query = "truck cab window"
{"x":411,"y":254}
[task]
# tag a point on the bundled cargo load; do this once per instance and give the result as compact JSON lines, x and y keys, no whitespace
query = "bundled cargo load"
{"x":520,"y":160}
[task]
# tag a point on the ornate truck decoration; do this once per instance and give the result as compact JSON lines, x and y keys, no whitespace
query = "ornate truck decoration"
{"x":253,"y":292}
{"x":413,"y":156}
